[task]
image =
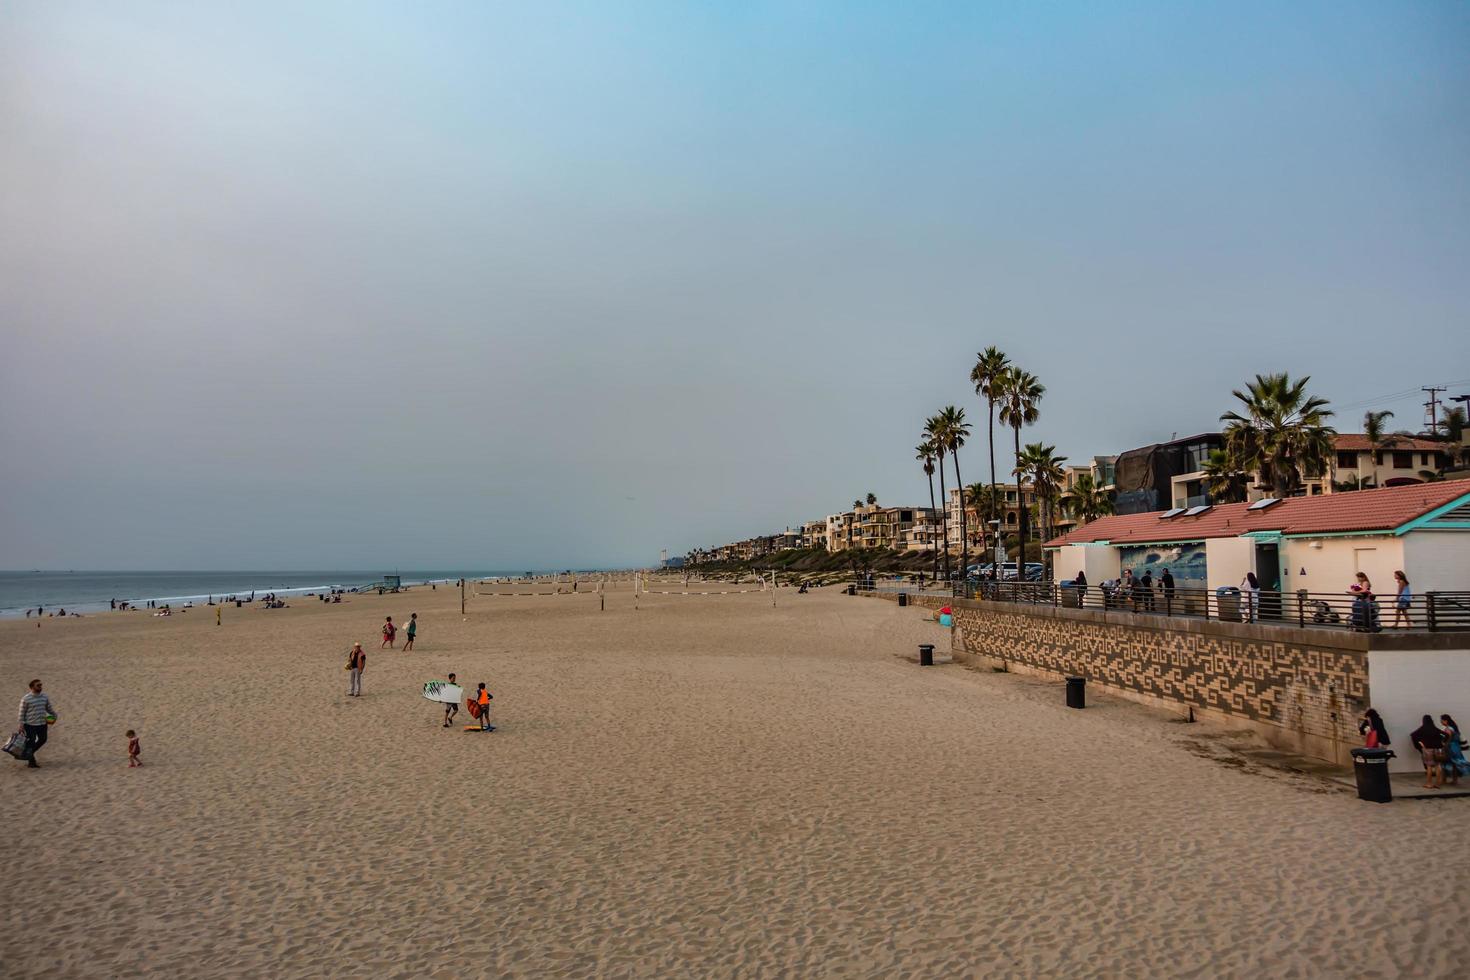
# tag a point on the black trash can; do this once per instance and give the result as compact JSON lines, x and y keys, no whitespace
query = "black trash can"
{"x":926,"y":655}
{"x":852,"y":590}
{"x":1370,"y":768}
{"x":903,"y":598}
{"x":1076,"y":692}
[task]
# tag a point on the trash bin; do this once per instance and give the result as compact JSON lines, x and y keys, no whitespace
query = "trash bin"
{"x":852,"y":590}
{"x":1370,"y":768}
{"x":1227,"y":604}
{"x":926,"y":655}
{"x":1071,"y":595}
{"x":903,"y":598}
{"x":1076,"y":692}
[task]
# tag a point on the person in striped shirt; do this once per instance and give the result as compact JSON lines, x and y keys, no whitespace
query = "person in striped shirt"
{"x":34,"y":708}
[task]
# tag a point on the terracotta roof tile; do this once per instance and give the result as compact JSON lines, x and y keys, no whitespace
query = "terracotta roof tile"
{"x":1359,"y":510}
{"x":1350,"y":441}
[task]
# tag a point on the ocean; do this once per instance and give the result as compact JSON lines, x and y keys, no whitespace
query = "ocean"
{"x":86,"y":592}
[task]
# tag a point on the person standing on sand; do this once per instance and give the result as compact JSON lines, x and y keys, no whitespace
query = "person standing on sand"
{"x":1429,"y":740}
{"x":411,"y":632}
{"x":483,"y":698}
{"x":356,"y":663}
{"x":389,"y":631}
{"x":34,"y":709}
{"x":217,"y":615}
{"x":135,"y":749}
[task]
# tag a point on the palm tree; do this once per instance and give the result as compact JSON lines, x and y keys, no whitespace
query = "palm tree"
{"x":1020,"y":392}
{"x":1086,"y":501}
{"x":990,"y":367}
{"x":955,"y":431}
{"x":1452,"y":427}
{"x":1225,"y":481}
{"x":925,"y":453}
{"x":1282,"y":433}
{"x":934,"y":432}
{"x":1373,"y":429}
{"x":982,"y":502}
{"x":1041,"y":464}
{"x":872,"y":499}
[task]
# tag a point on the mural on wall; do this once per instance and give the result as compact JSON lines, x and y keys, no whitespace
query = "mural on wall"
{"x":1186,"y":562}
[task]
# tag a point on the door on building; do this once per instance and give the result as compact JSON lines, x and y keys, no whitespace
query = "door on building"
{"x":1268,"y":573}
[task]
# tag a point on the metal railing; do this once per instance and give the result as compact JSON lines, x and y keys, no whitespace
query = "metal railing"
{"x":1432,"y":612}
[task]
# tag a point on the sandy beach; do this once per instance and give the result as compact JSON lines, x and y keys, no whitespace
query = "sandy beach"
{"x":704,"y":786}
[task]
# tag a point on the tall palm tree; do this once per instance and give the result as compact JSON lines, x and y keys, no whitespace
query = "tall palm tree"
{"x":1043,"y":467}
{"x":1373,"y":428}
{"x":872,"y":499}
{"x":1225,"y":481}
{"x":934,"y":432}
{"x":990,"y":367}
{"x":955,"y":431}
{"x":1086,"y":501}
{"x":1282,"y":432}
{"x":1020,"y":395}
{"x":925,"y":453}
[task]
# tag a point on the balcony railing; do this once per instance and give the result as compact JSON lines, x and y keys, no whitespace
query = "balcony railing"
{"x":1433,"y":612}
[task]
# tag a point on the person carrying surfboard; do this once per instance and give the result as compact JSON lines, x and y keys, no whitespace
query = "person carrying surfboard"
{"x":411,"y":632}
{"x":483,"y":698}
{"x":356,"y":662}
{"x":451,"y":708}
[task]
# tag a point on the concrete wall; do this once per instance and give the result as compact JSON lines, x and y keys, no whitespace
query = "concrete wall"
{"x":1437,"y":561}
{"x":1303,"y":690}
{"x":1330,"y":567}
{"x":1099,"y":562}
{"x":1228,"y":559}
{"x":1409,"y":684}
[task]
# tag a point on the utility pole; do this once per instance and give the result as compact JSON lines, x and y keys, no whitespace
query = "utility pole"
{"x":1431,"y":407}
{"x":461,"y":596}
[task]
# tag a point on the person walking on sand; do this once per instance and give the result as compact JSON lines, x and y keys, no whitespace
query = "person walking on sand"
{"x":451,"y":708}
{"x":483,"y":699}
{"x":134,"y":750}
{"x":389,"y":631}
{"x":356,"y":663}
{"x":35,"y":708}
{"x":410,"y":632}
{"x":216,"y":615}
{"x":1429,"y":740}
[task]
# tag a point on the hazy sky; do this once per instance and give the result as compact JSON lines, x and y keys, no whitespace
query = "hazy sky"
{"x":413,"y":285}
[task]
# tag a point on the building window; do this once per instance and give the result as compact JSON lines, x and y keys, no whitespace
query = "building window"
{"x":1423,"y":459}
{"x":1403,"y":461}
{"x":1347,"y":461}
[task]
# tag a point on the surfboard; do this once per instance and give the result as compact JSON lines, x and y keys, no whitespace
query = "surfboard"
{"x":443,"y":692}
{"x":472,"y":706}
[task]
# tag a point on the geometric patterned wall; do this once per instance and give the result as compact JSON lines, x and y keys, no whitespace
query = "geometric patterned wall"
{"x":1297,"y":686}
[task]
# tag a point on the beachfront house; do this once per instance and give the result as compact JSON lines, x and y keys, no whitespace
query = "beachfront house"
{"x":1316,"y":544}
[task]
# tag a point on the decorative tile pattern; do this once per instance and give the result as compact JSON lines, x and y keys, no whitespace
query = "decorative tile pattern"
{"x":1312,"y":688}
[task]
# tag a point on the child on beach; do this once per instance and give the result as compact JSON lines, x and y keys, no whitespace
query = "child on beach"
{"x":451,"y":708}
{"x":412,"y":631}
{"x":133,"y":750}
{"x":389,"y":631}
{"x":484,"y":697}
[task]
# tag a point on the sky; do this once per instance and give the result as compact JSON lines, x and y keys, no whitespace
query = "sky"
{"x":383,"y":285}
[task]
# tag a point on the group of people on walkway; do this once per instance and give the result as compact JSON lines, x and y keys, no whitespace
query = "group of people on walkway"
{"x":1440,"y":746}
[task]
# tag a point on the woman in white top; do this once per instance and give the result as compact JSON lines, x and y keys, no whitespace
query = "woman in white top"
{"x":1250,"y":589}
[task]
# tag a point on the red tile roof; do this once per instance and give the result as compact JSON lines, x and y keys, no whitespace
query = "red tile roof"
{"x":1351,"y":441}
{"x":1359,"y":510}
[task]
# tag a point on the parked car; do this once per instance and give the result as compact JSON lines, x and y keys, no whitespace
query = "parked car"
{"x":1034,"y":571}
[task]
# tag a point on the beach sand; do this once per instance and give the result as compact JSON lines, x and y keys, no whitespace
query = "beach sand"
{"x":704,"y":786}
